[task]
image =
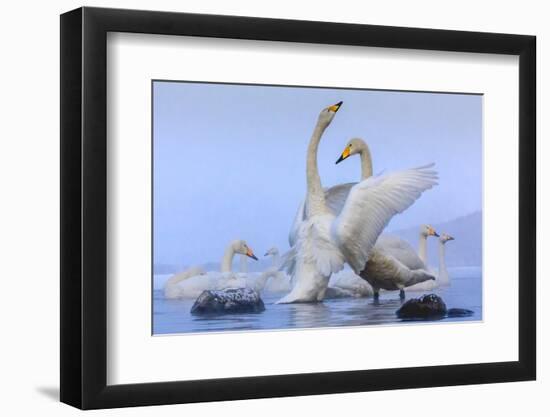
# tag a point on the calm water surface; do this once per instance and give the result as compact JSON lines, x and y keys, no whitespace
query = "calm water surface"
{"x":173,"y":316}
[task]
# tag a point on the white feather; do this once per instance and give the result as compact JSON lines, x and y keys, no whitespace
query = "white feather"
{"x":401,"y":250}
{"x":335,"y":198}
{"x":313,"y":259}
{"x":370,"y":206}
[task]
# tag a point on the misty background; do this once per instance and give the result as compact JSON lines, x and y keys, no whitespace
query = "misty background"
{"x":229,"y":163}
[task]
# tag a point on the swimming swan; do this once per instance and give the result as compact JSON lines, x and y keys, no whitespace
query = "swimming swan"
{"x":406,"y":254}
{"x":325,"y":240}
{"x":191,"y":283}
{"x":442,"y":276}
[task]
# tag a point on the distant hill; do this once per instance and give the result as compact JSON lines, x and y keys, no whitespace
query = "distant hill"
{"x":466,"y":250}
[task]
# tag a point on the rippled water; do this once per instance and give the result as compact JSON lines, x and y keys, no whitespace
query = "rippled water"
{"x":173,"y":316}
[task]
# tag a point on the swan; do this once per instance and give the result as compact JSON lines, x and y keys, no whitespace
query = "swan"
{"x":272,"y":279}
{"x":404,"y":252}
{"x":389,"y":268}
{"x":442,"y":276}
{"x":324,"y":240}
{"x":401,"y":248}
{"x":191,"y":283}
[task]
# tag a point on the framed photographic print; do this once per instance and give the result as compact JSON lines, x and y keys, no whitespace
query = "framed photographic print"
{"x":258,"y":207}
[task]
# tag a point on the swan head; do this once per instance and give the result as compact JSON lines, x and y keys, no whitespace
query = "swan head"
{"x":427,"y":230}
{"x":240,"y":246}
{"x":272,"y":252}
{"x":444,"y":238}
{"x":353,"y":147}
{"x":328,"y":113}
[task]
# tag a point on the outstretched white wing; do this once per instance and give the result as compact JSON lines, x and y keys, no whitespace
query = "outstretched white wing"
{"x":370,"y":206}
{"x":335,"y":198}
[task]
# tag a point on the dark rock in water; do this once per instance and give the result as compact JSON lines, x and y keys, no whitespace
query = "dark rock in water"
{"x":459,"y":312}
{"x":428,"y":306}
{"x":233,"y":300}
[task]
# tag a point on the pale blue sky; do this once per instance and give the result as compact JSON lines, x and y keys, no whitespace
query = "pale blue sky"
{"x":229,"y":160}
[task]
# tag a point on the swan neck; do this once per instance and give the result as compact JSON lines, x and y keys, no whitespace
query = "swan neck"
{"x":227,"y":260}
{"x":243,"y":266}
{"x":423,"y":249}
{"x":366,"y":163}
{"x":442,"y":266}
{"x":315,"y":194}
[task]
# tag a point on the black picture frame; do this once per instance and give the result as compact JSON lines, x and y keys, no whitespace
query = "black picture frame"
{"x":84,"y":207}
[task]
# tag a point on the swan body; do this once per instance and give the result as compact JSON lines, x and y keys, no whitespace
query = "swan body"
{"x":416,"y":273}
{"x":173,"y":290}
{"x":324,"y":240}
{"x":384,"y":271}
{"x":191,"y":283}
{"x":194,"y":285}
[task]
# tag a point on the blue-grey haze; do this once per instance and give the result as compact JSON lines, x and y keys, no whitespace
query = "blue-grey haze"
{"x":229,"y":160}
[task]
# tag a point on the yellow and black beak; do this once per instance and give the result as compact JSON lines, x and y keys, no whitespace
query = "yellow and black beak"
{"x":335,"y":107}
{"x":344,"y":155}
{"x":250,"y":254}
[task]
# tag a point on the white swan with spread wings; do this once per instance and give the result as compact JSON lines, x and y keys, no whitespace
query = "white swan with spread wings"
{"x":393,"y":265}
{"x":325,"y":240}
